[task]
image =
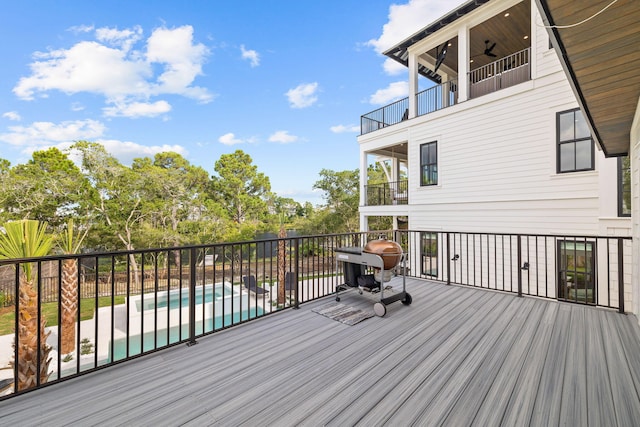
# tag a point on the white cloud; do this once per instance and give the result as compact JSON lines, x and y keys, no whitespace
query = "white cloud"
{"x":76,"y":29}
{"x":282,"y":137}
{"x":391,"y":93}
{"x":343,"y":128}
{"x":126,"y":151}
{"x":303,"y":95}
{"x":48,"y":133}
{"x":12,"y":115}
{"x":182,"y":61}
{"x":251,"y":55}
{"x":42,"y":135}
{"x":137,"y":109}
{"x":122,"y":38}
{"x":229,"y":139}
{"x":111,"y":67}
{"x":407,"y":19}
{"x":393,"y":68}
{"x":77,"y":106}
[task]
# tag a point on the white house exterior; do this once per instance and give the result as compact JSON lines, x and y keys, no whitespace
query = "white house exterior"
{"x":499,"y":146}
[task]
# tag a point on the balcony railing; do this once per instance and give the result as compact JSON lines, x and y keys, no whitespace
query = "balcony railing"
{"x":505,"y":72}
{"x":137,"y":302}
{"x":428,"y":101}
{"x":388,"y":193}
{"x":437,"y":97}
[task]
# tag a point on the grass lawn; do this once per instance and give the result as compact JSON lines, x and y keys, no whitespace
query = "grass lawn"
{"x":50,"y":312}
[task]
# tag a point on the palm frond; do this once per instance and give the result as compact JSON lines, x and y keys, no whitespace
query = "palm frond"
{"x":25,"y":239}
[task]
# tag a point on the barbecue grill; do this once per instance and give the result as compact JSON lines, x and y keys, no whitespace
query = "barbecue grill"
{"x":383,"y":256}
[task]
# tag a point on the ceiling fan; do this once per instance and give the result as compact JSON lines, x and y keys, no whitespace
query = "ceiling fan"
{"x":488,"y":49}
{"x":441,"y":56}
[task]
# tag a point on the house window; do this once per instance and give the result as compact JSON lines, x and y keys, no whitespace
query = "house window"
{"x":624,"y":186}
{"x":429,"y":163}
{"x":429,"y":254}
{"x":575,"y":145}
{"x":576,"y":271}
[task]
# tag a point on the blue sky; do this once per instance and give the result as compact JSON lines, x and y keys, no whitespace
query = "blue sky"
{"x":284,"y":81}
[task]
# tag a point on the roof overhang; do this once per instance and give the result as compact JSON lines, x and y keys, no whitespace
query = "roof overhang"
{"x":601,"y":57}
{"x":400,"y":52}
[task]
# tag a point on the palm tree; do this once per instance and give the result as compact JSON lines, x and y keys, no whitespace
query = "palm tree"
{"x":26,"y":239}
{"x":282,"y":263}
{"x":69,"y":243}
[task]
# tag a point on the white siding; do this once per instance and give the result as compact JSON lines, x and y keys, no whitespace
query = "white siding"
{"x":497,"y":166}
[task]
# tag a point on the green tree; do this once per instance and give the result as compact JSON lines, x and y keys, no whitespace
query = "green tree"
{"x":69,"y":242}
{"x":27,"y":239}
{"x":174,"y":192}
{"x":342,"y":195}
{"x":49,"y":187}
{"x":239,"y":187}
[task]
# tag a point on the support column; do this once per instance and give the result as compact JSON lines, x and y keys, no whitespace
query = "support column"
{"x":363,"y":178}
{"x":444,"y":88}
{"x":463,"y":64}
{"x":413,"y":84}
{"x":634,"y":156}
{"x":364,"y":223}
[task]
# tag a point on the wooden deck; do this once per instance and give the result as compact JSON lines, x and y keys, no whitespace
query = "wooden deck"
{"x":457,"y":356}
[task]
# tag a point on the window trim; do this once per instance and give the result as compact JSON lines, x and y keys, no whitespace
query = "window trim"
{"x":562,"y":274}
{"x":621,"y":188}
{"x":431,"y":237}
{"x":573,"y":141}
{"x":422,"y":183}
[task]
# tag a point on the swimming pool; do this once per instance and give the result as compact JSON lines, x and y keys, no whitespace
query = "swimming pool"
{"x":179,"y":298}
{"x":154,"y":339}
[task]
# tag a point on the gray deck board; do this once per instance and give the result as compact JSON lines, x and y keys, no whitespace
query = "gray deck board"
{"x":456,"y":356}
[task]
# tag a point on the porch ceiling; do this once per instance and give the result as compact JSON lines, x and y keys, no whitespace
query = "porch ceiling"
{"x":397,"y":151}
{"x":601,"y":57}
{"x":509,"y":30}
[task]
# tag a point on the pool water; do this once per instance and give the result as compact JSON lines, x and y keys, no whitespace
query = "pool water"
{"x":150,"y":342}
{"x":181,"y":299}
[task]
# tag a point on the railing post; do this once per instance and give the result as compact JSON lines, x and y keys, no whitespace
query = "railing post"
{"x":192,"y":298}
{"x":519,"y":270}
{"x":448,"y":260}
{"x":296,"y":256}
{"x":620,"y":276}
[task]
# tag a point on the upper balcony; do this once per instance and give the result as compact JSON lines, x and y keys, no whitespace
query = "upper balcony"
{"x":490,"y":52}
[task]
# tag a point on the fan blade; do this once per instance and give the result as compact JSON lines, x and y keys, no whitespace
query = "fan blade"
{"x":441,"y":56}
{"x":492,"y":46}
{"x":493,"y":55}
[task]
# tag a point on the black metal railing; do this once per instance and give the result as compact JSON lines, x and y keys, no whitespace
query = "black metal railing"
{"x":437,"y":97}
{"x":388,"y":193}
{"x":503,"y":73}
{"x":591,"y":270}
{"x":133,"y":303}
{"x":428,"y":101}
{"x":137,"y":302}
{"x":386,"y":116}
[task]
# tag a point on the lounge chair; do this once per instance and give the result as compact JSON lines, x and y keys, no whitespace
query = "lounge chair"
{"x":289,"y":282}
{"x":251,"y":285}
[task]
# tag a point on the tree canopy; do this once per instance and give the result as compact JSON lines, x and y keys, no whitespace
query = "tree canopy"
{"x":164,"y":201}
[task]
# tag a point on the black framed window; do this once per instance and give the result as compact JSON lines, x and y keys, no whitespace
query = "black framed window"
{"x":429,"y":163}
{"x":575,"y":151}
{"x":576,"y":271}
{"x":429,"y":254}
{"x":624,"y":186}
